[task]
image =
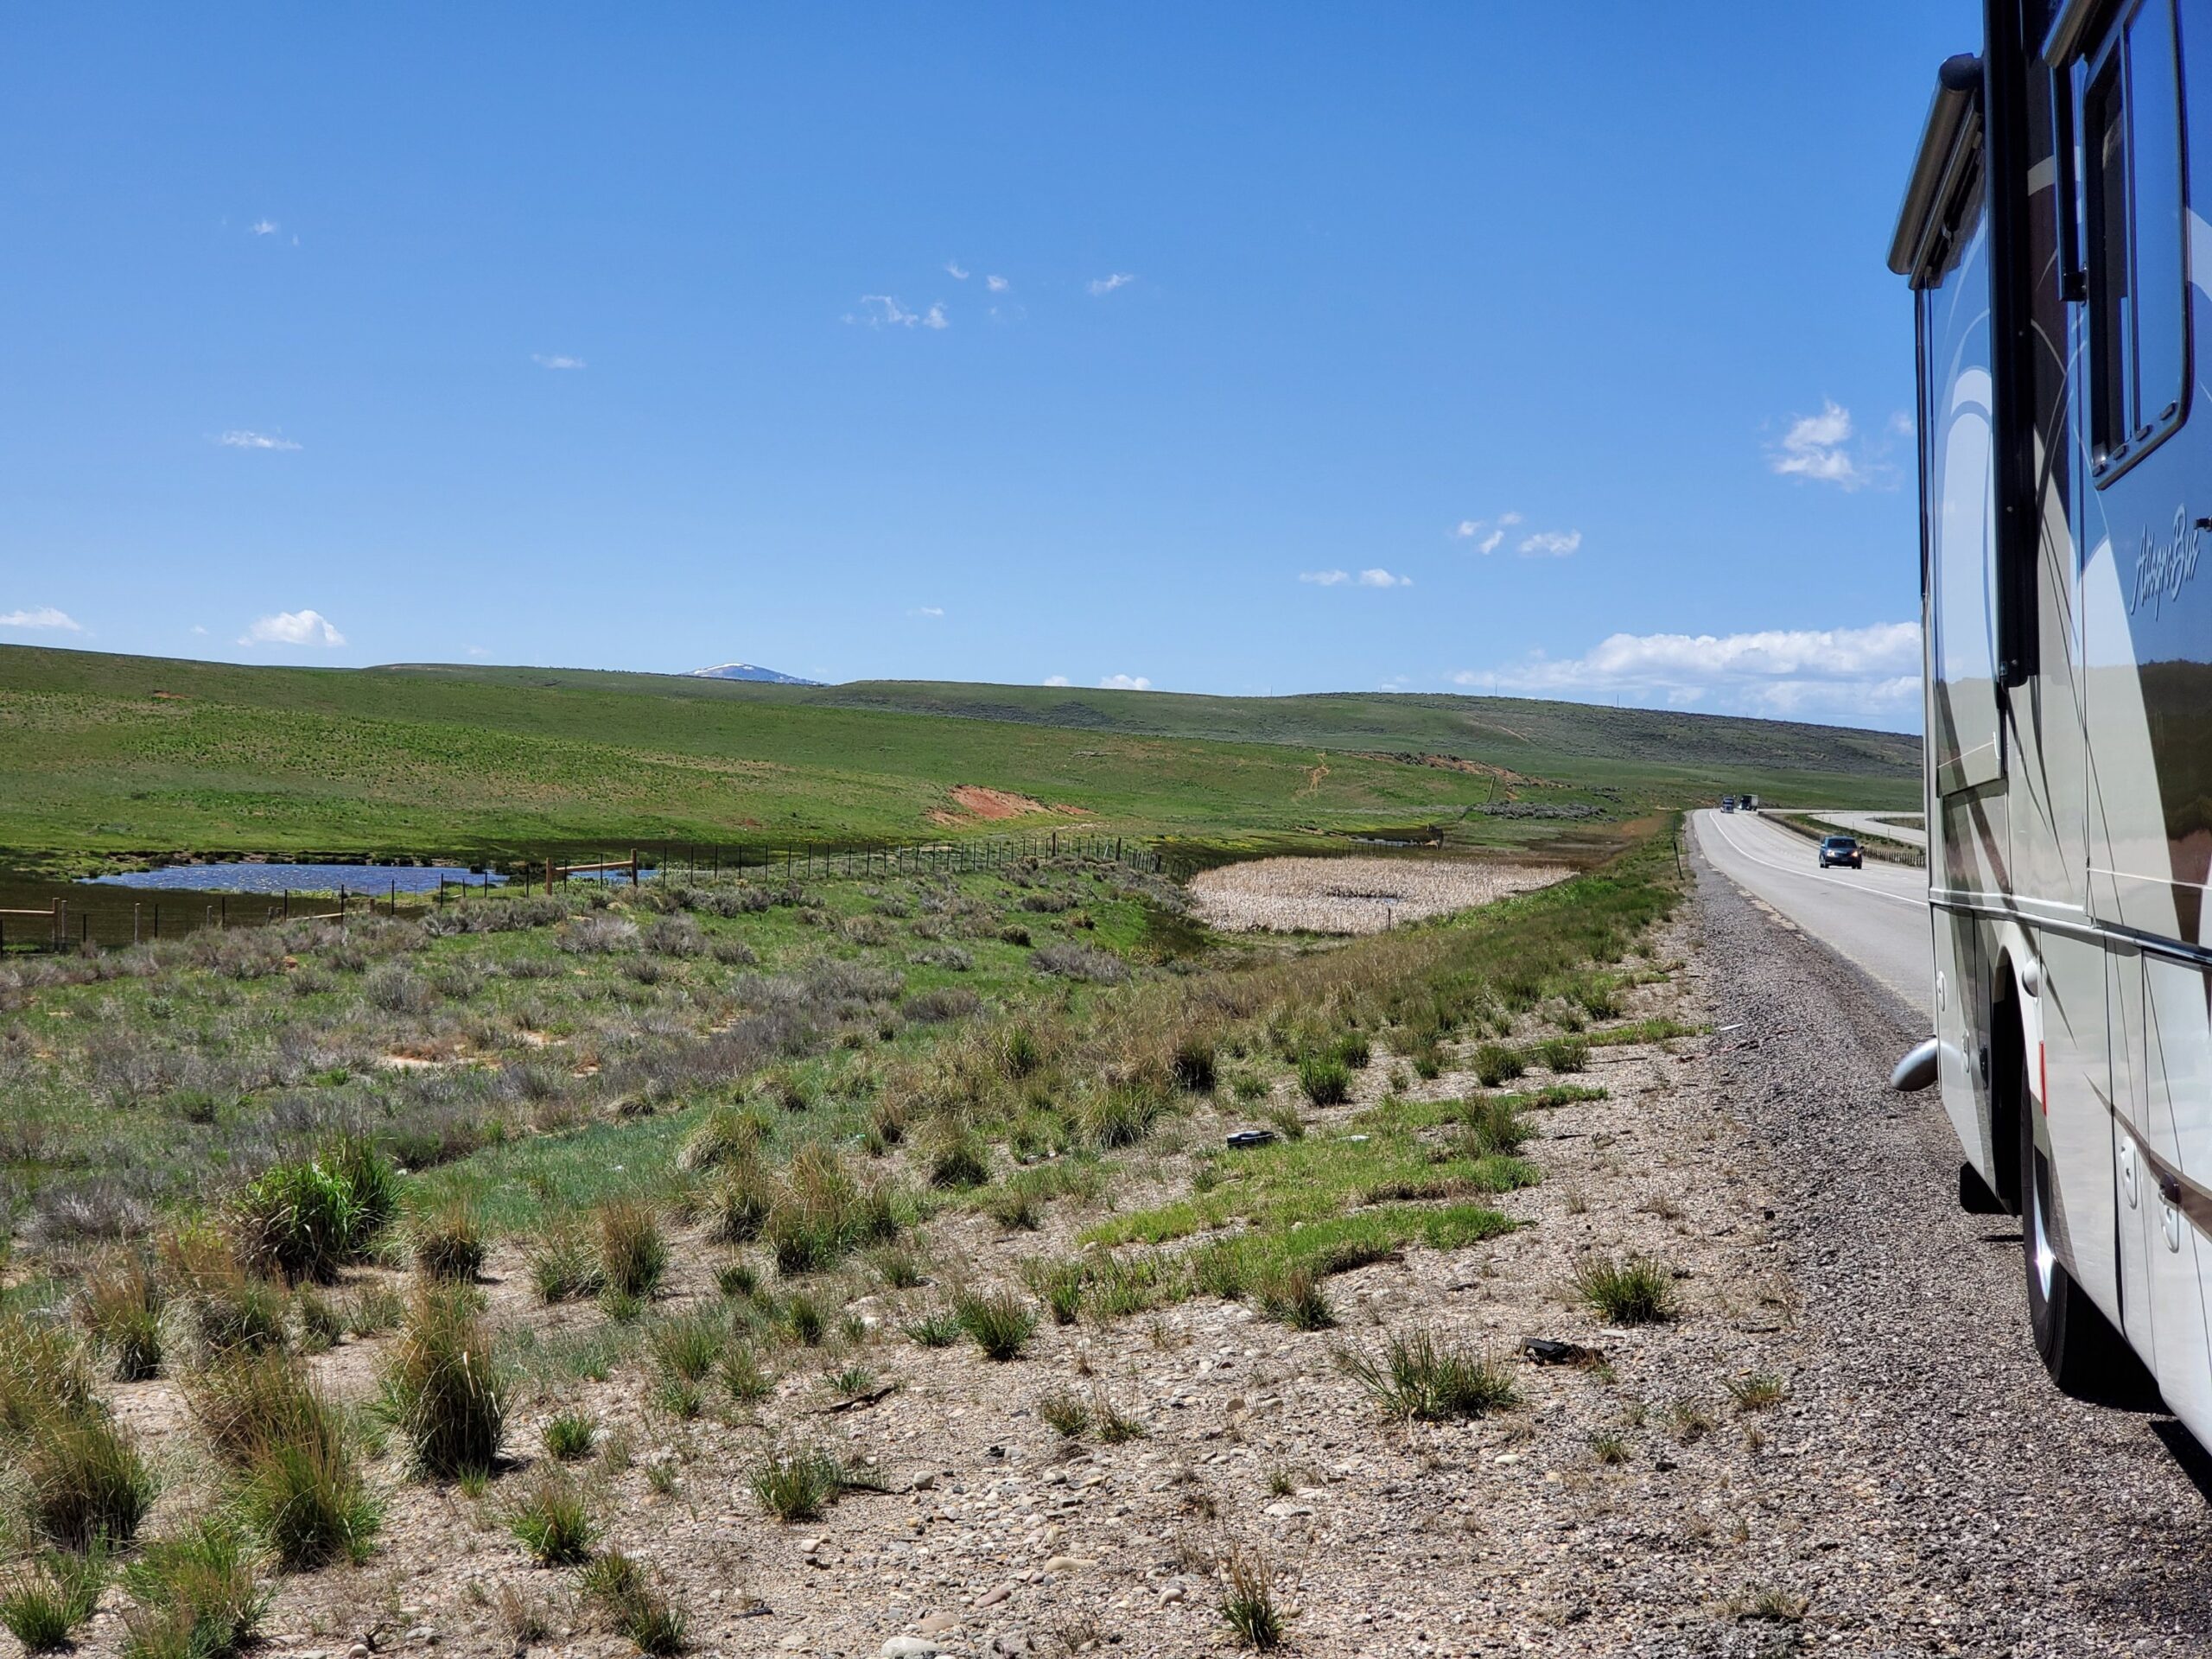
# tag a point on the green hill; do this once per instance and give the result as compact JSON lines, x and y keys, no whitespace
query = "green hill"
{"x":103,"y":753}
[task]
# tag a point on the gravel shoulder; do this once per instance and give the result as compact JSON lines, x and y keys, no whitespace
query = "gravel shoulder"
{"x":1954,"y":1501}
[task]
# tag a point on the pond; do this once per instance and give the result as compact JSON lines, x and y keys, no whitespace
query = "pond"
{"x":245,"y":877}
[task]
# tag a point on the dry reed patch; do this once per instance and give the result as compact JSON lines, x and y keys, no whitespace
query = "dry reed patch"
{"x":1354,"y":895}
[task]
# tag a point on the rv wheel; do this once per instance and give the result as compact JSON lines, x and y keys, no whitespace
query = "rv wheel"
{"x":2085,"y":1356}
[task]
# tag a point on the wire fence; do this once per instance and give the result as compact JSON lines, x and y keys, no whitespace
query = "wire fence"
{"x":110,"y":916}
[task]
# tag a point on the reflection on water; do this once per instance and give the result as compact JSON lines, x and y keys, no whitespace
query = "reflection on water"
{"x":299,"y":878}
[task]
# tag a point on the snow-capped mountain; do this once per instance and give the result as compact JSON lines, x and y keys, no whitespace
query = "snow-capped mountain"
{"x":749,"y":671}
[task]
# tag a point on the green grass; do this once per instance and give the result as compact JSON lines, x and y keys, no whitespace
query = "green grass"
{"x":1292,"y":1184}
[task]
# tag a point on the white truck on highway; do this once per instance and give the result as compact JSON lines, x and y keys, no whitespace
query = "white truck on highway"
{"x":2062,"y":285}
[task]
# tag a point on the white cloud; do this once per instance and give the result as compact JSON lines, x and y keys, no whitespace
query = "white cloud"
{"x":883,"y":311}
{"x":997,"y":284}
{"x":1551,"y":544}
{"x":555,"y":361}
{"x":953,"y":270}
{"x":1125,"y":683}
{"x":1901,"y":423}
{"x":929,"y":610}
{"x":292,"y":628}
{"x":198,"y":628}
{"x":44,"y":617}
{"x":240,"y":439}
{"x":1107,"y":284}
{"x":1845,"y":673}
{"x":263,"y":228}
{"x":1056,"y":679}
{"x":1813,"y":448}
{"x":1468,"y":528}
{"x":1376,"y":577}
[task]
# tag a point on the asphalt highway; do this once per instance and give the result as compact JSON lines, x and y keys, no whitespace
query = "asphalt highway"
{"x":1876,"y":917}
{"x":1873,"y":824}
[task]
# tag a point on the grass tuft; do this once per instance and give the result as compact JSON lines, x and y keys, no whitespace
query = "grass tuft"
{"x":632,"y":1600}
{"x":1758,"y":1391}
{"x":85,"y":1483}
{"x":1000,"y":1323}
{"x":444,"y":1390}
{"x":449,"y":1244}
{"x":1495,"y":1064}
{"x":198,"y":1594}
{"x":120,"y":1305}
{"x":1634,"y":1290}
{"x":41,"y":1603}
{"x":569,"y":1436}
{"x":1247,"y":1601}
{"x":564,"y":1263}
{"x":687,"y":1349}
{"x":1066,"y":1415}
{"x":1423,"y":1377}
{"x":550,"y":1519}
{"x":797,"y":1485}
{"x":633,"y":1251}
{"x":938,"y":1328}
{"x":1325,"y":1078}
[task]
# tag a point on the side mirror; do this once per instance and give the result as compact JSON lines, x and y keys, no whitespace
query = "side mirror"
{"x":1916,"y":1071}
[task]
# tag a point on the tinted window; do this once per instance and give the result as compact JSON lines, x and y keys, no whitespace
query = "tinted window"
{"x":2138,"y":244}
{"x":2104,"y":130}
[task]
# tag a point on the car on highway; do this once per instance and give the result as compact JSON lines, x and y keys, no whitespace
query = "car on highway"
{"x":1727,"y":803}
{"x":1841,"y":850}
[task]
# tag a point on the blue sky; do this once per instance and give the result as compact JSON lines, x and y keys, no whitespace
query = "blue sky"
{"x":1239,"y":349}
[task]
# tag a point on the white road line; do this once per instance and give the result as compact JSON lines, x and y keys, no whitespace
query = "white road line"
{"x":1823,"y":876}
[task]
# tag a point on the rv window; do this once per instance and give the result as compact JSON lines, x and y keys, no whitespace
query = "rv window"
{"x":2137,"y":259}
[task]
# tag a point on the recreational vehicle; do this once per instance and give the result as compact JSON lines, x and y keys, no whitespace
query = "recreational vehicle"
{"x":2055,"y":238}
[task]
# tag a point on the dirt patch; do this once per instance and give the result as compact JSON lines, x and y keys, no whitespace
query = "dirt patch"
{"x":1353,"y":895}
{"x":994,"y":804}
{"x":1447,"y":763}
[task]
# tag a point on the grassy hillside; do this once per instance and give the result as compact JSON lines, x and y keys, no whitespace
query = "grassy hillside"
{"x":1637,"y":749}
{"x":104,"y":753}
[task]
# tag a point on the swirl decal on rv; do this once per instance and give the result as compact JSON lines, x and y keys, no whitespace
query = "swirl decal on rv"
{"x":2164,"y":569}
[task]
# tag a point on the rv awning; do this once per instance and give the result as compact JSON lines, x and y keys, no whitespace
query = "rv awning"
{"x":1953,"y":118}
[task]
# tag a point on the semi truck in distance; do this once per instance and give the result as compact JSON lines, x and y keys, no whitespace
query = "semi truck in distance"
{"x":2060,"y":277}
